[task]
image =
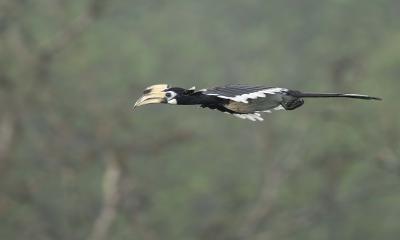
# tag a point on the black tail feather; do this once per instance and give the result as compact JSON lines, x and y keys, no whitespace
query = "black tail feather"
{"x":332,"y":95}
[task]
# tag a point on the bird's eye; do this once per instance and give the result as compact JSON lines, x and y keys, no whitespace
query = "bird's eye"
{"x":170,"y":94}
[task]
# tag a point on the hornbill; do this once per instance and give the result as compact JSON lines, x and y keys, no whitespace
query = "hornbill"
{"x":243,"y":101}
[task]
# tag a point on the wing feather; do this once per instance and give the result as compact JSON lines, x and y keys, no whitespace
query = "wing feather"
{"x":247,"y":102}
{"x":242,"y":93}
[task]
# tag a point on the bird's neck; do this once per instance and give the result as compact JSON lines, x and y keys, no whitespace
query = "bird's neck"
{"x":197,"y":99}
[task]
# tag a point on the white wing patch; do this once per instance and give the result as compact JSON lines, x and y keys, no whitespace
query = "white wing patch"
{"x":251,"y":116}
{"x":244,"y":97}
{"x":280,"y":107}
{"x":256,"y":116}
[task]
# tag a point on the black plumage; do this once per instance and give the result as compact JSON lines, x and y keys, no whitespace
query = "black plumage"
{"x":233,"y":90}
{"x":243,"y":101}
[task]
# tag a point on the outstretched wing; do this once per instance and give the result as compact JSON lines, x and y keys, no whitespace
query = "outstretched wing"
{"x":242,"y":93}
{"x":247,"y":102}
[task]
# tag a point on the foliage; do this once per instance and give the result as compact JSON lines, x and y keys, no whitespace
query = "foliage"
{"x":77,"y":163}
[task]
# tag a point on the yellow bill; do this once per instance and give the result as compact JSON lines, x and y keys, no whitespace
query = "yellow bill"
{"x":151,"y":95}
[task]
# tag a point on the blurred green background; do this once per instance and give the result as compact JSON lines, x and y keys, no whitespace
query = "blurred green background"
{"x":77,"y":163}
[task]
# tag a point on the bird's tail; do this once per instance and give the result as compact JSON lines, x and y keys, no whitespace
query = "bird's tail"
{"x":333,"y":95}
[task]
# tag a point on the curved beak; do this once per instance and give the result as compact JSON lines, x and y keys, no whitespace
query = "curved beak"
{"x":151,"y":95}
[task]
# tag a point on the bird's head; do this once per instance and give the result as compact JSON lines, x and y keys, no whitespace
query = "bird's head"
{"x":163,"y":93}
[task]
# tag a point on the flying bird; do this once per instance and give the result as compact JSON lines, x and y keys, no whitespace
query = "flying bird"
{"x":242,"y":101}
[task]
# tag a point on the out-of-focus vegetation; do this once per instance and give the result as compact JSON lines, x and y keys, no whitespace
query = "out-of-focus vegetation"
{"x":77,"y":163}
